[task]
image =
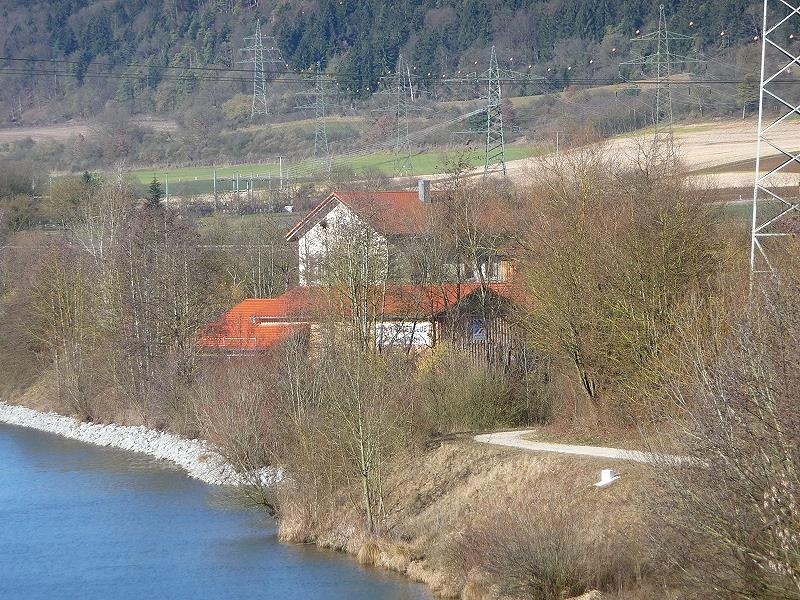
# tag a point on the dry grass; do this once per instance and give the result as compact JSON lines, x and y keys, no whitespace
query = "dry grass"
{"x":369,"y":554}
{"x":556,"y":536}
{"x":435,"y":497}
{"x":394,"y":557}
{"x":40,"y":395}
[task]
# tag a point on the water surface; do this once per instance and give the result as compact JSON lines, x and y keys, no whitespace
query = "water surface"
{"x":78,"y":521}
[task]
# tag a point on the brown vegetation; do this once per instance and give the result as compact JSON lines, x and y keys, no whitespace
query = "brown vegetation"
{"x":633,"y":316}
{"x":731,"y":509}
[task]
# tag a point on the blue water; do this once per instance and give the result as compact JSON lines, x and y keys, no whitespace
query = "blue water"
{"x":77,"y":521}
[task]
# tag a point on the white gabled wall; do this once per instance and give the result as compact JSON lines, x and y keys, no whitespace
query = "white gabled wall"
{"x":339,"y":227}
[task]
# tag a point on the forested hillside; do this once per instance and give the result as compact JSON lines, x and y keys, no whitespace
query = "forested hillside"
{"x":161,"y":57}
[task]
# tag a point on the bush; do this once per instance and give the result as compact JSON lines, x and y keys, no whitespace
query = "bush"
{"x":548,"y":547}
{"x":459,"y":395}
{"x":729,"y":516}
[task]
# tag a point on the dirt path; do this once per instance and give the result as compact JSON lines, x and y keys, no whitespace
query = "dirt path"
{"x":513,"y":439}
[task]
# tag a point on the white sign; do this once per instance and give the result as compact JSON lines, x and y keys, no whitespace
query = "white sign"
{"x":404,"y":333}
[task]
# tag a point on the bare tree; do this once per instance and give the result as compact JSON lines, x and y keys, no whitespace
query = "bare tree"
{"x":732,"y":507}
{"x":364,"y":400}
{"x":235,"y":407}
{"x":610,"y":266}
{"x":348,"y":414}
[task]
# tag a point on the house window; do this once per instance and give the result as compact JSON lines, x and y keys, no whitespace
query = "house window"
{"x":477,"y":329}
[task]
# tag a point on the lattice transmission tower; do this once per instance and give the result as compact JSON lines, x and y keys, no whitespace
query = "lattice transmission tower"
{"x":404,"y":89}
{"x":400,"y":89}
{"x":495,"y":156}
{"x":775,"y":195}
{"x":262,"y":50}
{"x":317,"y":100}
{"x":662,"y":62}
{"x":494,"y":78}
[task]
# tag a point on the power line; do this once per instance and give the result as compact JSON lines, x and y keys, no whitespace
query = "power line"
{"x":495,"y":155}
{"x":494,"y":77}
{"x":319,"y":104}
{"x":404,"y":90}
{"x":661,"y":60}
{"x":400,"y":90}
{"x":341,"y":78}
{"x":309,"y":167}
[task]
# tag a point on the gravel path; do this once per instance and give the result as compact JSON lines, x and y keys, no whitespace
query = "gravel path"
{"x":513,"y":439}
{"x":198,"y":458}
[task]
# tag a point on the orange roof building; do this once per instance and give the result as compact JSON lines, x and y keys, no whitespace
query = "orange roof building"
{"x":362,"y":229}
{"x":259,"y":325}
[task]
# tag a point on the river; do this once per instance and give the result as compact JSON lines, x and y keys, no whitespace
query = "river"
{"x":79,"y":521}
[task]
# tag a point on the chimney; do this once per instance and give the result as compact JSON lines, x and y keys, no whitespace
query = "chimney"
{"x":424,"y":188}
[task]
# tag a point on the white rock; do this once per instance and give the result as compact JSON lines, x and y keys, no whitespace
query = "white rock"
{"x":212,"y":469}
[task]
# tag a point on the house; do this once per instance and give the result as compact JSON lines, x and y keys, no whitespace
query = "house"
{"x":408,"y":317}
{"x":357,"y":276}
{"x":385,"y":233}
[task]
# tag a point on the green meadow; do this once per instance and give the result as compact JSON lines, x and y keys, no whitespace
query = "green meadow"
{"x":200,"y":179}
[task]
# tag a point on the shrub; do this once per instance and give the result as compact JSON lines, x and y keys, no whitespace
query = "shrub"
{"x":729,"y":516}
{"x":459,"y":395}
{"x":548,"y":547}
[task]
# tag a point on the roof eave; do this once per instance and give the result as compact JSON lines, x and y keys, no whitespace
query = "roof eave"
{"x":294,"y":233}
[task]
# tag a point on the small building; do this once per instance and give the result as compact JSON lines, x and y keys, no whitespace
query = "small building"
{"x":407,"y":317}
{"x":259,"y":324}
{"x":388,"y":232}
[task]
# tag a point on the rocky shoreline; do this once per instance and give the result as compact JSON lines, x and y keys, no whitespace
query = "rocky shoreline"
{"x":200,"y":459}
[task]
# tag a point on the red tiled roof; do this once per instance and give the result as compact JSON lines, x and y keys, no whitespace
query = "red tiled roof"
{"x":428,"y":300}
{"x":390,"y":213}
{"x":244,"y":335}
{"x":402,"y":213}
{"x":259,"y":324}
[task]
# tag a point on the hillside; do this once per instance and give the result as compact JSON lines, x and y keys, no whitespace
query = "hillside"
{"x":100,"y":86}
{"x":164,"y":58}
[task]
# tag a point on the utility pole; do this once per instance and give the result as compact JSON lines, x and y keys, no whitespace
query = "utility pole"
{"x":215,"y":191}
{"x":256,"y":55}
{"x":774,"y":205}
{"x":660,"y":62}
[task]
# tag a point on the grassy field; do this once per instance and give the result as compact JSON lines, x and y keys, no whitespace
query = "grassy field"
{"x":200,"y":179}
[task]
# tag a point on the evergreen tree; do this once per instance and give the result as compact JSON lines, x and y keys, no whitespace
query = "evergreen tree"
{"x":89,"y":180}
{"x":154,"y":194}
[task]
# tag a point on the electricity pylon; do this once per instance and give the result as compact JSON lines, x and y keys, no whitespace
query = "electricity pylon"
{"x":404,"y":89}
{"x":494,"y":77}
{"x":495,"y":155}
{"x":318,"y":101}
{"x":774,"y":205}
{"x":402,"y":98}
{"x":660,"y":62}
{"x":256,"y":56}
